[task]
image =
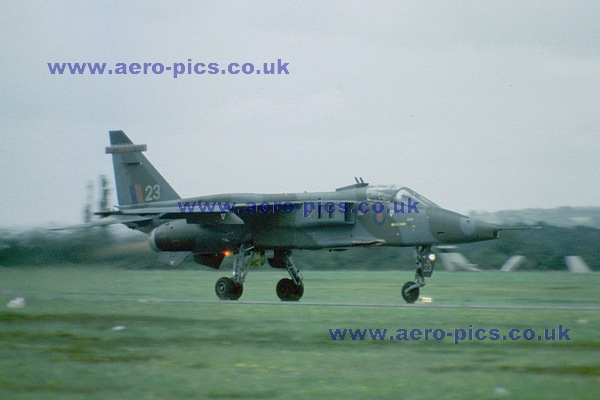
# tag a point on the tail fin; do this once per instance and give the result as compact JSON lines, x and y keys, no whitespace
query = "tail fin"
{"x":136,"y":179}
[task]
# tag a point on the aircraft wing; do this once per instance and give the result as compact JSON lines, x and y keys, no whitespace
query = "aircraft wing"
{"x":518,"y":228}
{"x":213,"y":218}
{"x":107,"y":221}
{"x":195,"y":217}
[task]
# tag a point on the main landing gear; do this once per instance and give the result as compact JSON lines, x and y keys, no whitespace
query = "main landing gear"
{"x":287,"y":289}
{"x":425,"y":259}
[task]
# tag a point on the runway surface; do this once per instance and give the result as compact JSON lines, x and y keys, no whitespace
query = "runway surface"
{"x":275,"y":302}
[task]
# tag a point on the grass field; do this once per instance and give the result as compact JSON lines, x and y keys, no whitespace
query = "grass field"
{"x":173,"y":341}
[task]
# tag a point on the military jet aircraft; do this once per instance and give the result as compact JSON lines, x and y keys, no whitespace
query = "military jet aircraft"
{"x":247,"y":226}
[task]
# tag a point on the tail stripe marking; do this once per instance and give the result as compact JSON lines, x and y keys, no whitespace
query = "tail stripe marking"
{"x":137,"y":196}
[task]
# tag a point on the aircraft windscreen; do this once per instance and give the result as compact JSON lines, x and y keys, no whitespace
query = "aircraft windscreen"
{"x":404,"y":193}
{"x":394,"y":193}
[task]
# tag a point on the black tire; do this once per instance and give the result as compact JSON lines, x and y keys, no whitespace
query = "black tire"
{"x":227,"y":289}
{"x":299,"y":292}
{"x":413,"y":295}
{"x":237,"y":293}
{"x":287,"y":290}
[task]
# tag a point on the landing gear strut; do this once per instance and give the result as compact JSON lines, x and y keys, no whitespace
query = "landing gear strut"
{"x":290,"y":289}
{"x":425,"y":260}
{"x":287,"y":289}
{"x":232,"y":288}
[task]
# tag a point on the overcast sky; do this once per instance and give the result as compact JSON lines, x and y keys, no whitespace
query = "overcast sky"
{"x":478,"y":105}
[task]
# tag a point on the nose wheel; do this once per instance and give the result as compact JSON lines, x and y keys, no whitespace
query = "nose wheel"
{"x":410,"y":292}
{"x":425,"y":259}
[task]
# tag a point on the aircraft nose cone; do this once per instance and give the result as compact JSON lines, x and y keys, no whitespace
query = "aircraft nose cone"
{"x":451,"y":227}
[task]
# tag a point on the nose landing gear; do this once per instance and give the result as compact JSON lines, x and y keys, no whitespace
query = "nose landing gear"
{"x":425,"y":260}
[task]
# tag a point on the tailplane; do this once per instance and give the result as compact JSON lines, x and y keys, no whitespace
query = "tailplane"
{"x":136,"y":178}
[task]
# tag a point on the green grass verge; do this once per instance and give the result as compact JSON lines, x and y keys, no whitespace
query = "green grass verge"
{"x":62,"y":344}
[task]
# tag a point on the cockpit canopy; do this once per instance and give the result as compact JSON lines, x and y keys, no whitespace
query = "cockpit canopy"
{"x":396,"y":194}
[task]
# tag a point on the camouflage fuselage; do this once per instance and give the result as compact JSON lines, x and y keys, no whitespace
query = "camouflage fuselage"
{"x":341,"y":219}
